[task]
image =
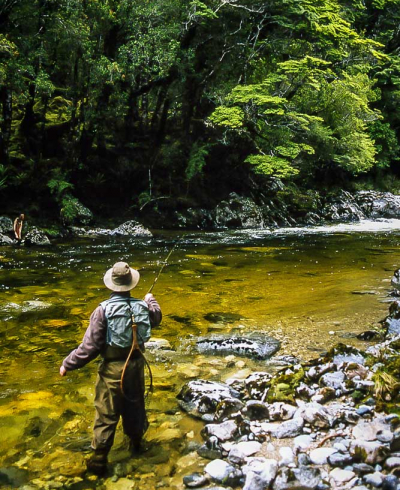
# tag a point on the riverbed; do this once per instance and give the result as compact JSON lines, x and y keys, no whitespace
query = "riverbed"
{"x":308,"y":287}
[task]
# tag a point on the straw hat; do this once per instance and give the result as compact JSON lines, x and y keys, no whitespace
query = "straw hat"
{"x":121,"y":277}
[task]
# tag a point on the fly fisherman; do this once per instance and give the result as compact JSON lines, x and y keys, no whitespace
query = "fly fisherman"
{"x":110,"y":334}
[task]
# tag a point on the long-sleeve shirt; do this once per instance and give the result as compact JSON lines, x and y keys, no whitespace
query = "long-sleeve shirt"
{"x":94,"y":340}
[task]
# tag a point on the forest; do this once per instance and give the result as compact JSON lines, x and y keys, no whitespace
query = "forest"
{"x":127,"y":104}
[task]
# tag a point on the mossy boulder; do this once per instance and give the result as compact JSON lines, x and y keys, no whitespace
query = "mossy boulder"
{"x":74,"y":213}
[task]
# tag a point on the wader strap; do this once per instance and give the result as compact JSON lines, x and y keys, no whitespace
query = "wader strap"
{"x":135,"y":347}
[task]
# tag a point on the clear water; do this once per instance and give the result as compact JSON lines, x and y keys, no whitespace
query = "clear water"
{"x":310,"y":288}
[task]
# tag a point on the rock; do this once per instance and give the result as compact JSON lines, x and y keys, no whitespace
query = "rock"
{"x":223,"y":431}
{"x":375,"y":429}
{"x":323,"y":395}
{"x":195,"y":480}
{"x":281,"y":411}
{"x":363,"y":410}
{"x":304,"y":478}
{"x":340,"y":476}
{"x":370,"y":452}
{"x":369,"y":335}
{"x":238,"y":212}
{"x":286,"y":456}
{"x":395,"y":279}
{"x":192,"y":218}
{"x":36,"y":237}
{"x":374,"y":479}
{"x":155,"y":344}
{"x":302,"y":442}
{"x":333,"y":380}
{"x":284,"y":360}
{"x":375,"y":204}
{"x":219,"y":470}
{"x":304,"y":391}
{"x":75,"y":213}
{"x":320,"y":455}
{"x":315,"y":372}
{"x":353,"y":356}
{"x":132,"y":228}
{"x":256,"y":346}
{"x":339,"y":459}
{"x":315,"y":414}
{"x":242,"y":450}
{"x":200,"y":398}
{"x":392,"y":321}
{"x":255,"y":410}
{"x":6,"y":225}
{"x":6,"y":240}
{"x":257,"y":384}
{"x":260,"y":473}
{"x":390,"y":483}
{"x":362,"y":468}
{"x":210,"y":450}
{"x":226,"y":408}
{"x":289,"y":428}
{"x":393,"y":462}
{"x":342,"y":208}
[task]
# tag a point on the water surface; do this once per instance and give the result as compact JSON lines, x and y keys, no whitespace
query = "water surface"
{"x":310,"y":288}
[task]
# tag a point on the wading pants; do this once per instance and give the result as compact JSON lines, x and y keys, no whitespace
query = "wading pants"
{"x":111,"y":404}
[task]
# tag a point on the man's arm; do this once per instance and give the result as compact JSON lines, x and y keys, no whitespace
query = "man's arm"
{"x":154,"y":310}
{"x":92,"y":343}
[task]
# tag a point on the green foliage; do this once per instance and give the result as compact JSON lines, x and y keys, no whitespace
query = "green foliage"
{"x":271,"y":165}
{"x":196,"y":161}
{"x":230,"y":117}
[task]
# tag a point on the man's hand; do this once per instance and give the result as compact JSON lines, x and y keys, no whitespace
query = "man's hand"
{"x":63,"y":371}
{"x":148,"y":297}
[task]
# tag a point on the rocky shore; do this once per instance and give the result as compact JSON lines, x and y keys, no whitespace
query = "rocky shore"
{"x":328,"y":423}
{"x":235,"y":212}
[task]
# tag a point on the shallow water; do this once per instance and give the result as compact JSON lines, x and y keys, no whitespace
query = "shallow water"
{"x":310,"y":288}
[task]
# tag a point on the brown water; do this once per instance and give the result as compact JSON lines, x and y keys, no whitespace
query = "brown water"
{"x":309,"y":291}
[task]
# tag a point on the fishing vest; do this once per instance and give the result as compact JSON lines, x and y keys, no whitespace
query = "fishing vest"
{"x":118,"y":312}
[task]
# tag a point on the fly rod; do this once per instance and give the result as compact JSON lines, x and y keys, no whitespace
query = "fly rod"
{"x":164,"y":264}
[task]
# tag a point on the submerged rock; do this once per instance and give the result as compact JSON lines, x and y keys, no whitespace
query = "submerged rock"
{"x":256,"y":346}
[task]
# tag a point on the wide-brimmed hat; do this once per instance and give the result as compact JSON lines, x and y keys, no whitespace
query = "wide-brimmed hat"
{"x":121,"y":277}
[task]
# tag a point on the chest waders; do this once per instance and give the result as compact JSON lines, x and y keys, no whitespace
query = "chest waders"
{"x":135,"y":347}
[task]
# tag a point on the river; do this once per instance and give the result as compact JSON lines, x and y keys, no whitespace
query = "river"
{"x":308,"y":287}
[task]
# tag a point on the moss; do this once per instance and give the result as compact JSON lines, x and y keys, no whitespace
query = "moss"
{"x":283,"y":387}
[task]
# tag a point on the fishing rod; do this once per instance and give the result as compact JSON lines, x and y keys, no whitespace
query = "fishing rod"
{"x":164,"y":264}
{"x":135,"y":344}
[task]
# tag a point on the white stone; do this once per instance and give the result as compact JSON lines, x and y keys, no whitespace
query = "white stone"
{"x":392,"y":462}
{"x":320,"y":455}
{"x":341,"y":476}
{"x":265,"y":469}
{"x":286,"y":456}
{"x":302,"y":442}
{"x":223,"y":431}
{"x":242,"y":450}
{"x":374,"y":479}
{"x":218,"y":469}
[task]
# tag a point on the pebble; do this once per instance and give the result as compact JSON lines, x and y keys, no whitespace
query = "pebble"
{"x":320,"y":455}
{"x":374,"y":479}
{"x":341,"y":476}
{"x":392,"y":462}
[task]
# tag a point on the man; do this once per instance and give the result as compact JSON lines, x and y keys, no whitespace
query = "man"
{"x":18,"y":222}
{"x":110,"y":334}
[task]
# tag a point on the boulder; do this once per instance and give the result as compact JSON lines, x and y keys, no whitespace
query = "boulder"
{"x":376,"y":204}
{"x":238,"y":212}
{"x":36,"y":237}
{"x":6,"y":240}
{"x":370,"y":452}
{"x":74,"y":213}
{"x":257,"y":346}
{"x":219,"y":470}
{"x":6,"y":225}
{"x":133,"y":229}
{"x":200,"y":398}
{"x":260,"y":473}
{"x":224,"y":431}
{"x":342,"y":207}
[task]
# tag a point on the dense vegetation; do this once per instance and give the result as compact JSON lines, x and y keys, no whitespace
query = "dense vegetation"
{"x":123,"y":102}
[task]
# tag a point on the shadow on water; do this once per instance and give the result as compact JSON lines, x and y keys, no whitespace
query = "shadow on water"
{"x":309,"y":291}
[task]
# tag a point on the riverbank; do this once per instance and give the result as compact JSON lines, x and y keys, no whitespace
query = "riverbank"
{"x":235,"y":213}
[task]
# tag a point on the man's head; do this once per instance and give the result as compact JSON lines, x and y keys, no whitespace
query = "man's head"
{"x":121,"y":277}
